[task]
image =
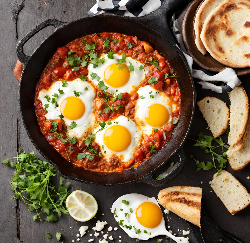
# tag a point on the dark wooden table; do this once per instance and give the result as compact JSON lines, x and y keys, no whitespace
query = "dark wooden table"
{"x":16,"y":221}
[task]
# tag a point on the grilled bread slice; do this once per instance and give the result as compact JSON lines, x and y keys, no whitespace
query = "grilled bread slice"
{"x":239,"y":110}
{"x":205,"y":8}
{"x":230,"y":191}
{"x":184,"y":201}
{"x":216,"y":113}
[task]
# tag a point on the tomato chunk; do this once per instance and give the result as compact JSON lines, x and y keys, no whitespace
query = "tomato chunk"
{"x":63,"y":51}
{"x":46,"y":79}
{"x":159,"y":75}
{"x":47,"y":125}
{"x":162,"y":62}
{"x":59,"y":72}
{"x":139,"y":156}
{"x":159,"y":85}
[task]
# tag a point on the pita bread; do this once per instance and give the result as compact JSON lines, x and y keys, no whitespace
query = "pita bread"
{"x":205,"y":8}
{"x":226,"y":33}
{"x":184,"y":201}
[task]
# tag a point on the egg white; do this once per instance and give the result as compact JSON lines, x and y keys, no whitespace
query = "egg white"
{"x":136,"y":135}
{"x":119,"y":209}
{"x":87,"y":96}
{"x":136,"y":76}
{"x":147,"y":97}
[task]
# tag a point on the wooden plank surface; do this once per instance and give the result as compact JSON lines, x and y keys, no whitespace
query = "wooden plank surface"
{"x":16,"y":222}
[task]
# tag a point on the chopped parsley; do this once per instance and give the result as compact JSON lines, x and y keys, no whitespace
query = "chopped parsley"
{"x":82,"y":156}
{"x":77,"y":94}
{"x":73,"y":124}
{"x":106,"y":110}
{"x":47,"y":98}
{"x":175,"y":121}
{"x":61,"y":116}
{"x":141,"y":67}
{"x":95,"y":76}
{"x":46,"y":106}
{"x":137,"y":231}
{"x":82,"y":77}
{"x":123,"y":60}
{"x":89,"y":47}
{"x":54,"y":125}
{"x":48,"y":235}
{"x":106,"y":43}
{"x":154,"y":62}
{"x":152,"y":150}
{"x":74,"y":61}
{"x":152,"y":96}
{"x":60,"y":91}
{"x":58,"y":236}
{"x":86,"y":88}
{"x":102,"y":86}
{"x":120,"y":67}
{"x":125,"y":202}
{"x":129,"y":45}
{"x":111,"y":55}
{"x":76,"y":68}
{"x":109,"y":122}
{"x":55,"y":95}
{"x":54,"y":101}
{"x":131,"y":67}
{"x":142,"y":97}
{"x":64,"y":83}
{"x":116,"y":41}
{"x":153,"y":80}
{"x":73,"y":140}
{"x":102,"y":124}
{"x":131,"y":210}
{"x":155,"y":129}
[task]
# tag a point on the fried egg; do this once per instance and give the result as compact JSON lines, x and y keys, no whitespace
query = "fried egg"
{"x":153,"y":109}
{"x":118,"y":137}
{"x":138,"y":215}
{"x":118,"y":77}
{"x":71,"y":101}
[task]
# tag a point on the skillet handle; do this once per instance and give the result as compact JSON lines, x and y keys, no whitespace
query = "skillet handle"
{"x":19,"y":49}
{"x":170,"y":173}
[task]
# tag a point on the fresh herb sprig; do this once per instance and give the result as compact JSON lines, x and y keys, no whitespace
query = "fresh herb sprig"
{"x":209,"y":144}
{"x":31,"y":182}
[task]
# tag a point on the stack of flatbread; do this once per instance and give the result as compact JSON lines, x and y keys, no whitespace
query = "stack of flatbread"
{"x":222,"y":28}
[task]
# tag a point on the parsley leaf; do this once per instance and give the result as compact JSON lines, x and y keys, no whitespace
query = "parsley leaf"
{"x":175,"y":121}
{"x":58,"y":236}
{"x":106,"y":43}
{"x":60,"y":91}
{"x":152,"y":150}
{"x":102,"y":124}
{"x":120,"y":67}
{"x":129,"y":45}
{"x":73,"y":140}
{"x":74,"y":61}
{"x":32,"y":182}
{"x":48,"y":235}
{"x":111,"y":55}
{"x":46,"y":106}
{"x":86,"y":88}
{"x":153,"y":80}
{"x":125,"y":202}
{"x":73,"y":124}
{"x":102,"y":86}
{"x":123,"y":60}
{"x":142,"y":97}
{"x":47,"y":98}
{"x":64,"y":83}
{"x":82,"y":156}
{"x":154,"y":62}
{"x":61,"y":116}
{"x":90,"y":47}
{"x":141,"y":67}
{"x":131,"y":67}
{"x":82,"y":77}
{"x":116,"y":41}
{"x":77,"y":94}
{"x":54,"y":125}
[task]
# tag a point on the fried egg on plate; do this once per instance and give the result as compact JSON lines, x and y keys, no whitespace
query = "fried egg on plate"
{"x":119,"y":137}
{"x":74,"y":103}
{"x":138,"y":213}
{"x":120,"y":77}
{"x":153,"y":109}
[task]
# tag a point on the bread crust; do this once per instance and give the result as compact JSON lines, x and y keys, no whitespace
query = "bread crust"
{"x":226,"y":34}
{"x":184,"y":201}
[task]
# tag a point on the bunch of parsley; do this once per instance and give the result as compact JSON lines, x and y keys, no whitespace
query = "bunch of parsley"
{"x":209,"y":144}
{"x":31,"y":182}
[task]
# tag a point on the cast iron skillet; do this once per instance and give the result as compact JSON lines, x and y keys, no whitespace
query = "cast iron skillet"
{"x":64,"y":33}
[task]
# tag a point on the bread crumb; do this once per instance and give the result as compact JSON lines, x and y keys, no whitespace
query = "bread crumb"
{"x":248,"y":177}
{"x":78,"y":239}
{"x":186,"y":232}
{"x":111,"y":237}
{"x":90,"y":240}
{"x":77,"y":235}
{"x":105,"y":236}
{"x":110,"y":228}
{"x":115,"y":228}
{"x":96,"y":234}
{"x":103,"y":241}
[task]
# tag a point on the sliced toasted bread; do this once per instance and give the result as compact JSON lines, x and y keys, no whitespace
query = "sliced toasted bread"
{"x":216,"y":113}
{"x":184,"y":201}
{"x":239,"y":110}
{"x":239,"y":159}
{"x":231,"y":192}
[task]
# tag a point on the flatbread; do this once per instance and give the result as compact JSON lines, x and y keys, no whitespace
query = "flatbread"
{"x":226,"y":33}
{"x":203,"y":11}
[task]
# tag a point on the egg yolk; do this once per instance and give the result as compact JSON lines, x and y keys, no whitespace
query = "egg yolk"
{"x":149,"y":215}
{"x":72,"y":108}
{"x":116,"y":75}
{"x":157,"y":115}
{"x":117,"y":138}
